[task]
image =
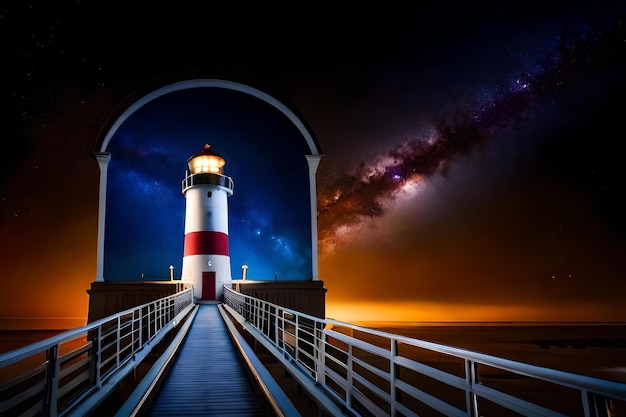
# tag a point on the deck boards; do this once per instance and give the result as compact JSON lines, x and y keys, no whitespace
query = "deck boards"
{"x":207,"y":377}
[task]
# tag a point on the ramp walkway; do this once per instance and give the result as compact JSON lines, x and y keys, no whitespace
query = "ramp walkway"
{"x":206,"y":377}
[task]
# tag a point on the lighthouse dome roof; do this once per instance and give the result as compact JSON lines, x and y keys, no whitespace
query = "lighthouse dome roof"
{"x":206,"y":151}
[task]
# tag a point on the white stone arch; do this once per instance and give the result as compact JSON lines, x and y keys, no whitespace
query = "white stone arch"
{"x":103,"y":157}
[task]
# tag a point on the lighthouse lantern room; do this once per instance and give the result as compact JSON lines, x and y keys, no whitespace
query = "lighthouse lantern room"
{"x":206,"y":259}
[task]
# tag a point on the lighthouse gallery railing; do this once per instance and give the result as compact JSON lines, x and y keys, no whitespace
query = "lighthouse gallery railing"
{"x":376,"y":373}
{"x":51,"y":377}
{"x":208,"y":178}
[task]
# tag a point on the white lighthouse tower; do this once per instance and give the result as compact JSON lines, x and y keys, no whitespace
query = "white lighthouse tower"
{"x":206,"y":259}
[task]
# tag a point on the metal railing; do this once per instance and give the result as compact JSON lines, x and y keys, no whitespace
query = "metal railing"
{"x":72,"y":372}
{"x":373,"y":373}
{"x":210,"y":178}
{"x":363,"y":371}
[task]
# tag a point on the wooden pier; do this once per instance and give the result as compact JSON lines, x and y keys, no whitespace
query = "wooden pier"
{"x":207,"y":377}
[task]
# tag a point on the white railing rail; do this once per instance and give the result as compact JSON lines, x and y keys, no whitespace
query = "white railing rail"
{"x":79,"y":367}
{"x":373,"y":373}
{"x":364,"y":371}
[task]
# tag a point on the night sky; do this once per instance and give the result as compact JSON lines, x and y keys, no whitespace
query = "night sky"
{"x":269,"y":212}
{"x":472,"y":168}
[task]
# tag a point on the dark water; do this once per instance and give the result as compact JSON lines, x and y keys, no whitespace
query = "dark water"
{"x":14,"y":339}
{"x":597,"y":350}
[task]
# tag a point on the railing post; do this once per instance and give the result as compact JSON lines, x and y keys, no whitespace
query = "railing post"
{"x":266,"y":317}
{"x":261,"y":316}
{"x":471,"y":378}
{"x":274,"y":325}
{"x":162,"y":312}
{"x":280,"y":327}
{"x":99,"y":358}
{"x":296,"y":348}
{"x":52,"y":382}
{"x":595,"y":405}
{"x":320,"y":342}
{"x":349,"y":377}
{"x":157,"y":316}
{"x":93,"y":362}
{"x":393,"y":352}
{"x":117,"y":342}
{"x":248,"y":309}
{"x":152,"y":320}
{"x":163,"y":315}
{"x":133,"y":330}
{"x":584,"y":396}
{"x":142,"y":336}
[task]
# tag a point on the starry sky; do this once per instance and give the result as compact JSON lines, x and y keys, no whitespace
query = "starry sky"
{"x":472,"y":166}
{"x":269,"y":212}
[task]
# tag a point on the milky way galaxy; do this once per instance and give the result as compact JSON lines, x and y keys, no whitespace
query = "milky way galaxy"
{"x":570,"y":73}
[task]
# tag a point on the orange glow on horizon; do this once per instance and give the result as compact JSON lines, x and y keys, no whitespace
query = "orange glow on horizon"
{"x":49,"y":292}
{"x":363,"y":312}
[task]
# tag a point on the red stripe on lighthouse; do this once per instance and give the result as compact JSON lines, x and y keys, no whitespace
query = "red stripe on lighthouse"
{"x":206,"y":243}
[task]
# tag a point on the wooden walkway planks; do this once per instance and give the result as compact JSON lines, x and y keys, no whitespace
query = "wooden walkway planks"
{"x":207,"y":377}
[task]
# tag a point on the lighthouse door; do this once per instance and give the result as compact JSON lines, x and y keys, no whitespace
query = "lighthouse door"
{"x":208,"y":285}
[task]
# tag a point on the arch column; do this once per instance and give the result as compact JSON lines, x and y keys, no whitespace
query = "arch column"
{"x":313,"y":162}
{"x":103,"y":163}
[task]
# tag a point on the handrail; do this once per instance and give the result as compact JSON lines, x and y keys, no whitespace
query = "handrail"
{"x":363,"y":371}
{"x":70,"y":373}
{"x":371,"y":372}
{"x":274,"y":394}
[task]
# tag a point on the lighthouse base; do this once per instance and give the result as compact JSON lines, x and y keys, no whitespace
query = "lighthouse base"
{"x":207,"y":274}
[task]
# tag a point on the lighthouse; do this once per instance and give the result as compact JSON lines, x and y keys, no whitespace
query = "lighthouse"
{"x":206,"y":259}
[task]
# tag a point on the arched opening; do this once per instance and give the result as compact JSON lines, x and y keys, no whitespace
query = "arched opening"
{"x":104,"y":155}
